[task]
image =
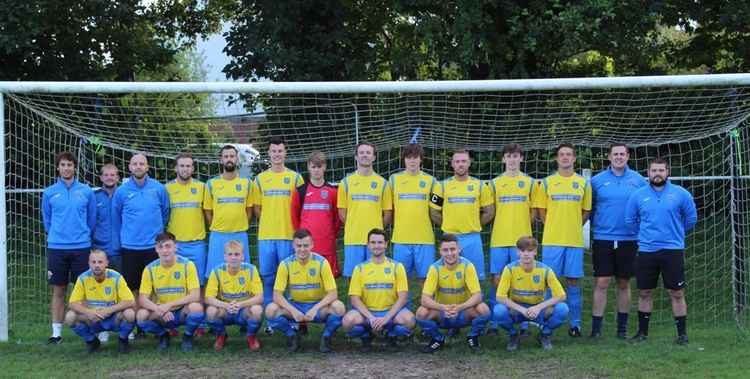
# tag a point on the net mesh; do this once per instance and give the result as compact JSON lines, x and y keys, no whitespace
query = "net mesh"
{"x":701,"y":131}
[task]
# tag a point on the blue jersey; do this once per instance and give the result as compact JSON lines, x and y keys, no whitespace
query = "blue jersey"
{"x":105,"y":237}
{"x":610,"y":193}
{"x":140,"y":213}
{"x":69,"y":215}
{"x":661,"y":217}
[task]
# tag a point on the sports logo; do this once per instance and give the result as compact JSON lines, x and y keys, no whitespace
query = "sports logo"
{"x":470,"y":188}
{"x":387,"y":270}
{"x":241,"y":280}
{"x":422,"y":184}
{"x":521,"y":184}
{"x":324,"y":194}
{"x":458,"y":275}
{"x":177,"y":275}
{"x":373,"y":185}
{"x":286,"y":180}
{"x":575,"y":185}
{"x":238,"y":187}
{"x":312,"y":272}
{"x":537,"y":279}
{"x":107,"y":291}
{"x":193,"y":191}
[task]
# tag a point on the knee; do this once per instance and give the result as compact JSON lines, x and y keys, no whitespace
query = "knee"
{"x":70,"y":318}
{"x":676,"y":295}
{"x":406,"y":318}
{"x":571,"y":281}
{"x":338,"y":308}
{"x":128,"y":315}
{"x":645,"y":294}
{"x":350,"y":319}
{"x":272,"y":310}
{"x":422,"y":313}
{"x":256,"y":311}
{"x":602,"y":283}
{"x":483,"y":309}
{"x":623,"y":284}
{"x":211,"y":312}
{"x":142,"y":315}
{"x":195,"y":308}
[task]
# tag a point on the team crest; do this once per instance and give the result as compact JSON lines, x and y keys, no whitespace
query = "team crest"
{"x":177,"y":275}
{"x":193,"y":191}
{"x":324,"y":194}
{"x":374,"y":185}
{"x":387,"y":270}
{"x":107,"y":291}
{"x":422,"y":184}
{"x":459,"y":275}
{"x":312,"y":272}
{"x":286,"y":180}
{"x":575,"y":185}
{"x":537,"y":279}
{"x":242,"y":280}
{"x":521,"y":184}
{"x":470,"y":188}
{"x":238,"y":187}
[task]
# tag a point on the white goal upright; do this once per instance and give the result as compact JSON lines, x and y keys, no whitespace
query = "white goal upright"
{"x":698,"y":123}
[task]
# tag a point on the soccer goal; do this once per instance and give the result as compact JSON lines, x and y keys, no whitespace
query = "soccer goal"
{"x":698,"y":123}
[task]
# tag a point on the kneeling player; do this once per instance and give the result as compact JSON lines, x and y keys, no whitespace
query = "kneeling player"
{"x":173,"y":281}
{"x":101,"y":300}
{"x":312,"y":296}
{"x":379,"y":292}
{"x":452,"y":297}
{"x":234,"y":295}
{"x":520,"y":296}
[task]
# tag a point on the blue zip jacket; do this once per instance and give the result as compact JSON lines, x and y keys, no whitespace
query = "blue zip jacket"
{"x":662,"y":217}
{"x":140,"y":213}
{"x":69,"y":215}
{"x":611,"y":193}
{"x":105,"y":236}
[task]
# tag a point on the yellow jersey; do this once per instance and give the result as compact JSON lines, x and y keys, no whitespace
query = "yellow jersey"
{"x":169,"y":283}
{"x":238,"y":287}
{"x":513,"y":197}
{"x":273,"y":192}
{"x":460,"y":202}
{"x":364,"y":198}
{"x":94,"y":294}
{"x":565,"y":199}
{"x":451,"y":286}
{"x":411,"y":207}
{"x":229,"y":200}
{"x":378,"y":285}
{"x":186,"y":210}
{"x":528,"y":287}
{"x":305,"y":283}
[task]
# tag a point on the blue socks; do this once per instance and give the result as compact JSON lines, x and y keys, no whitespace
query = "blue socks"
{"x":151,"y":326}
{"x":268,"y":281}
{"x":559,"y":314}
{"x":358,"y":331}
{"x":477,"y":325}
{"x":431,"y":329}
{"x":281,"y":324}
{"x":575,"y":305}
{"x":193,"y":321}
{"x":83,"y":330}
{"x":252,"y":326}
{"x":398,"y":330}
{"x":333,"y":322}
{"x":218,"y":326}
{"x":125,"y":328}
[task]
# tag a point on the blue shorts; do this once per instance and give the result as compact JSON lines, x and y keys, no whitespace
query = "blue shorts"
{"x":271,"y":253}
{"x":471,"y":249}
{"x":109,"y":323}
{"x":564,"y":260}
{"x":64,"y":266}
{"x":415,"y":257}
{"x":305,"y":307}
{"x":196,"y":252}
{"x":354,"y":255}
{"x":453,"y":323}
{"x":500,"y":257}
{"x":216,"y":241}
{"x":235,"y":319}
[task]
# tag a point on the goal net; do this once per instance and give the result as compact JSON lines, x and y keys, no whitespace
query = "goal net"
{"x":700,"y":129}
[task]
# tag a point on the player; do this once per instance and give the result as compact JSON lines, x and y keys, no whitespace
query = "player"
{"x":272,"y":198}
{"x":615,"y":243}
{"x":563,"y":201}
{"x":314,"y":207}
{"x":141,"y":211}
{"x":228,"y":207}
{"x":234,"y":295}
{"x":69,"y":217}
{"x":413,"y":237}
{"x":101,"y":301}
{"x":521,"y":296}
{"x":663,"y":213}
{"x":311,"y":295}
{"x":364,"y":202}
{"x":170,"y":295}
{"x":452,"y":297}
{"x":461,"y":204}
{"x":378,"y":292}
{"x":512,"y":193}
{"x":105,"y":238}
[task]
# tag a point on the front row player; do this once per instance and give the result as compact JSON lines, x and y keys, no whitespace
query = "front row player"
{"x":521,"y":292}
{"x":101,"y":300}
{"x":173,"y":281}
{"x":452,"y":297}
{"x":307,"y":280}
{"x":379,"y":292}
{"x":234,"y":295}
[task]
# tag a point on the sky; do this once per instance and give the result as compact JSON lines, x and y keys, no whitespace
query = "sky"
{"x":215,"y":62}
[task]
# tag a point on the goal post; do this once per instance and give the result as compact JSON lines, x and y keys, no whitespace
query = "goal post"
{"x":698,"y":122}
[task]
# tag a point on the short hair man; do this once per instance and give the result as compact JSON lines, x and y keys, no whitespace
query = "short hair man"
{"x":170,"y":295}
{"x":315,"y":208}
{"x":307,"y":279}
{"x":101,"y":301}
{"x":105,"y":237}
{"x":663,"y":213}
{"x":273,"y":190}
{"x":452,"y":297}
{"x":378,"y":292}
{"x":234,"y":295}
{"x":461,"y":204}
{"x":563,"y":201}
{"x":69,"y":217}
{"x":413,"y":236}
{"x":228,"y":207}
{"x":615,"y":243}
{"x":364,"y":201}
{"x":521,"y":296}
{"x":141,"y":211}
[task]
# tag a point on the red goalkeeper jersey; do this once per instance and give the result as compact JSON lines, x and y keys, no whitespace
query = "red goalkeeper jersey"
{"x":314,"y":208}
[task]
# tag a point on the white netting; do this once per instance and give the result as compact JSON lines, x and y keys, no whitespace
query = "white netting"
{"x":699,"y":130}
